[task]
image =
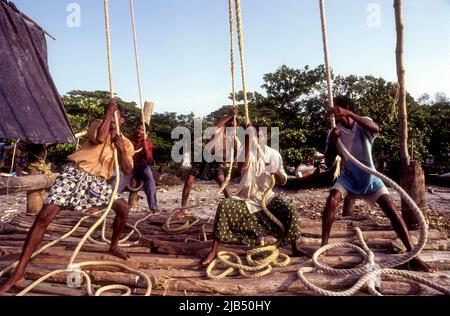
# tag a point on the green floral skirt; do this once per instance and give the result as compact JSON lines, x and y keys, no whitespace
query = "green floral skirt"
{"x":235,"y":225}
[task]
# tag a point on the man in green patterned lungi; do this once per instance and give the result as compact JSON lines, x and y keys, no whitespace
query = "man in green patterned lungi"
{"x":240,"y":218}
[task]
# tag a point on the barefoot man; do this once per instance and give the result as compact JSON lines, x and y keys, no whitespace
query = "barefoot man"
{"x":214,"y":170}
{"x":357,"y":135}
{"x":82,"y":186}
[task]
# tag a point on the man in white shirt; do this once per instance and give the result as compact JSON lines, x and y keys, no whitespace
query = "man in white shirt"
{"x":240,"y":219}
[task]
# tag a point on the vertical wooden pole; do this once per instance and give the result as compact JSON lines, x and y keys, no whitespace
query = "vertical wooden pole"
{"x":412,"y":177}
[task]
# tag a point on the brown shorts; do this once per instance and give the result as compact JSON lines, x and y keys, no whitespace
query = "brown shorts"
{"x":207,"y":171}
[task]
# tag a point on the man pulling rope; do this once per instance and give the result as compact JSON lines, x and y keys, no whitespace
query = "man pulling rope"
{"x":239,"y":219}
{"x":82,"y":185}
{"x":357,"y":135}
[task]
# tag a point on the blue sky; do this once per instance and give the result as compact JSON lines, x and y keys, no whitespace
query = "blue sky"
{"x":184,"y":45}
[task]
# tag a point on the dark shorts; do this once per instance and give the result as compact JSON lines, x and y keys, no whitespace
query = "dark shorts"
{"x":208,"y":171}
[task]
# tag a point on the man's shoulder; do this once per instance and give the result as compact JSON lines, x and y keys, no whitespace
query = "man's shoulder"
{"x":96,"y":122}
{"x":367,"y":118}
{"x":273,"y":152}
{"x":128,"y":143}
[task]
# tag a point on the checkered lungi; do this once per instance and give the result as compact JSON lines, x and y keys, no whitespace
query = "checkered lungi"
{"x":77,"y":190}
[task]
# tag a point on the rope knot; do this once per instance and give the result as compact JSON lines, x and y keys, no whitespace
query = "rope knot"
{"x":73,"y":266}
{"x":374,"y":282}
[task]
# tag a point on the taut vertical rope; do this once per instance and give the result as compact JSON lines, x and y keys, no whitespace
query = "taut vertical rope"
{"x":241,"y":54}
{"x":233,"y":93}
{"x":327,"y":59}
{"x":233,"y":68}
{"x":138,"y":69}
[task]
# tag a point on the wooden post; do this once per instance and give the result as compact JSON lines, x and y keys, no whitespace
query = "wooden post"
{"x":412,"y":177}
{"x":403,"y":115}
{"x":27,"y":183}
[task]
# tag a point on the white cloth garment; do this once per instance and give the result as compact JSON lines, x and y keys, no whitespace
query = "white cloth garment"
{"x":257,"y":178}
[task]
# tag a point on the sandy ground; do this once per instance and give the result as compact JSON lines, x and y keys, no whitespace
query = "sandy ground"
{"x":310,"y":203}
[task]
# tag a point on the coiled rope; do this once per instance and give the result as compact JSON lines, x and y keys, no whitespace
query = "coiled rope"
{"x":370,"y":272}
{"x":176,"y":227}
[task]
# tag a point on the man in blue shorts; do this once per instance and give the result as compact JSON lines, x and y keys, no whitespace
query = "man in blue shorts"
{"x":357,"y":135}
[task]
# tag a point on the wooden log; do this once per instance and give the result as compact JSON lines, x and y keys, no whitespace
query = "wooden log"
{"x":26,"y":183}
{"x":7,"y":229}
{"x":433,"y":234}
{"x":199,"y":249}
{"x":166,"y":179}
{"x":147,"y":240}
{"x":412,"y":179}
{"x":375,"y":243}
{"x":309,"y":224}
{"x":137,"y":261}
{"x":170,"y":282}
{"x":54,"y":289}
{"x":273,"y":283}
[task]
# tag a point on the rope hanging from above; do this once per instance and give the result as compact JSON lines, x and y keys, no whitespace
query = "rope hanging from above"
{"x":327,"y":59}
{"x":233,"y":95}
{"x":241,"y":55}
{"x":138,"y":68}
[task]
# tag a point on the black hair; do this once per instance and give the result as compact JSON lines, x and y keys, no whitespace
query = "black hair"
{"x":345,"y":102}
{"x":140,"y":123}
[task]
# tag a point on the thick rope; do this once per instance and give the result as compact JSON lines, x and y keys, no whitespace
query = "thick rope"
{"x":233,"y":94}
{"x":241,"y":54}
{"x":138,"y":69}
{"x":372,"y":271}
{"x":327,"y":59}
{"x":176,"y":227}
{"x":123,"y":241}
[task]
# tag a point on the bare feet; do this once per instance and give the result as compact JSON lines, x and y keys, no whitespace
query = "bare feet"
{"x":296,"y":252}
{"x":417,"y":264}
{"x":13,"y":280}
{"x":180,"y":215}
{"x":116,"y":251}
{"x":211,"y":256}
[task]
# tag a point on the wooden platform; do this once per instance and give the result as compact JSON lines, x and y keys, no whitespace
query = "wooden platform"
{"x":172,"y":262}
